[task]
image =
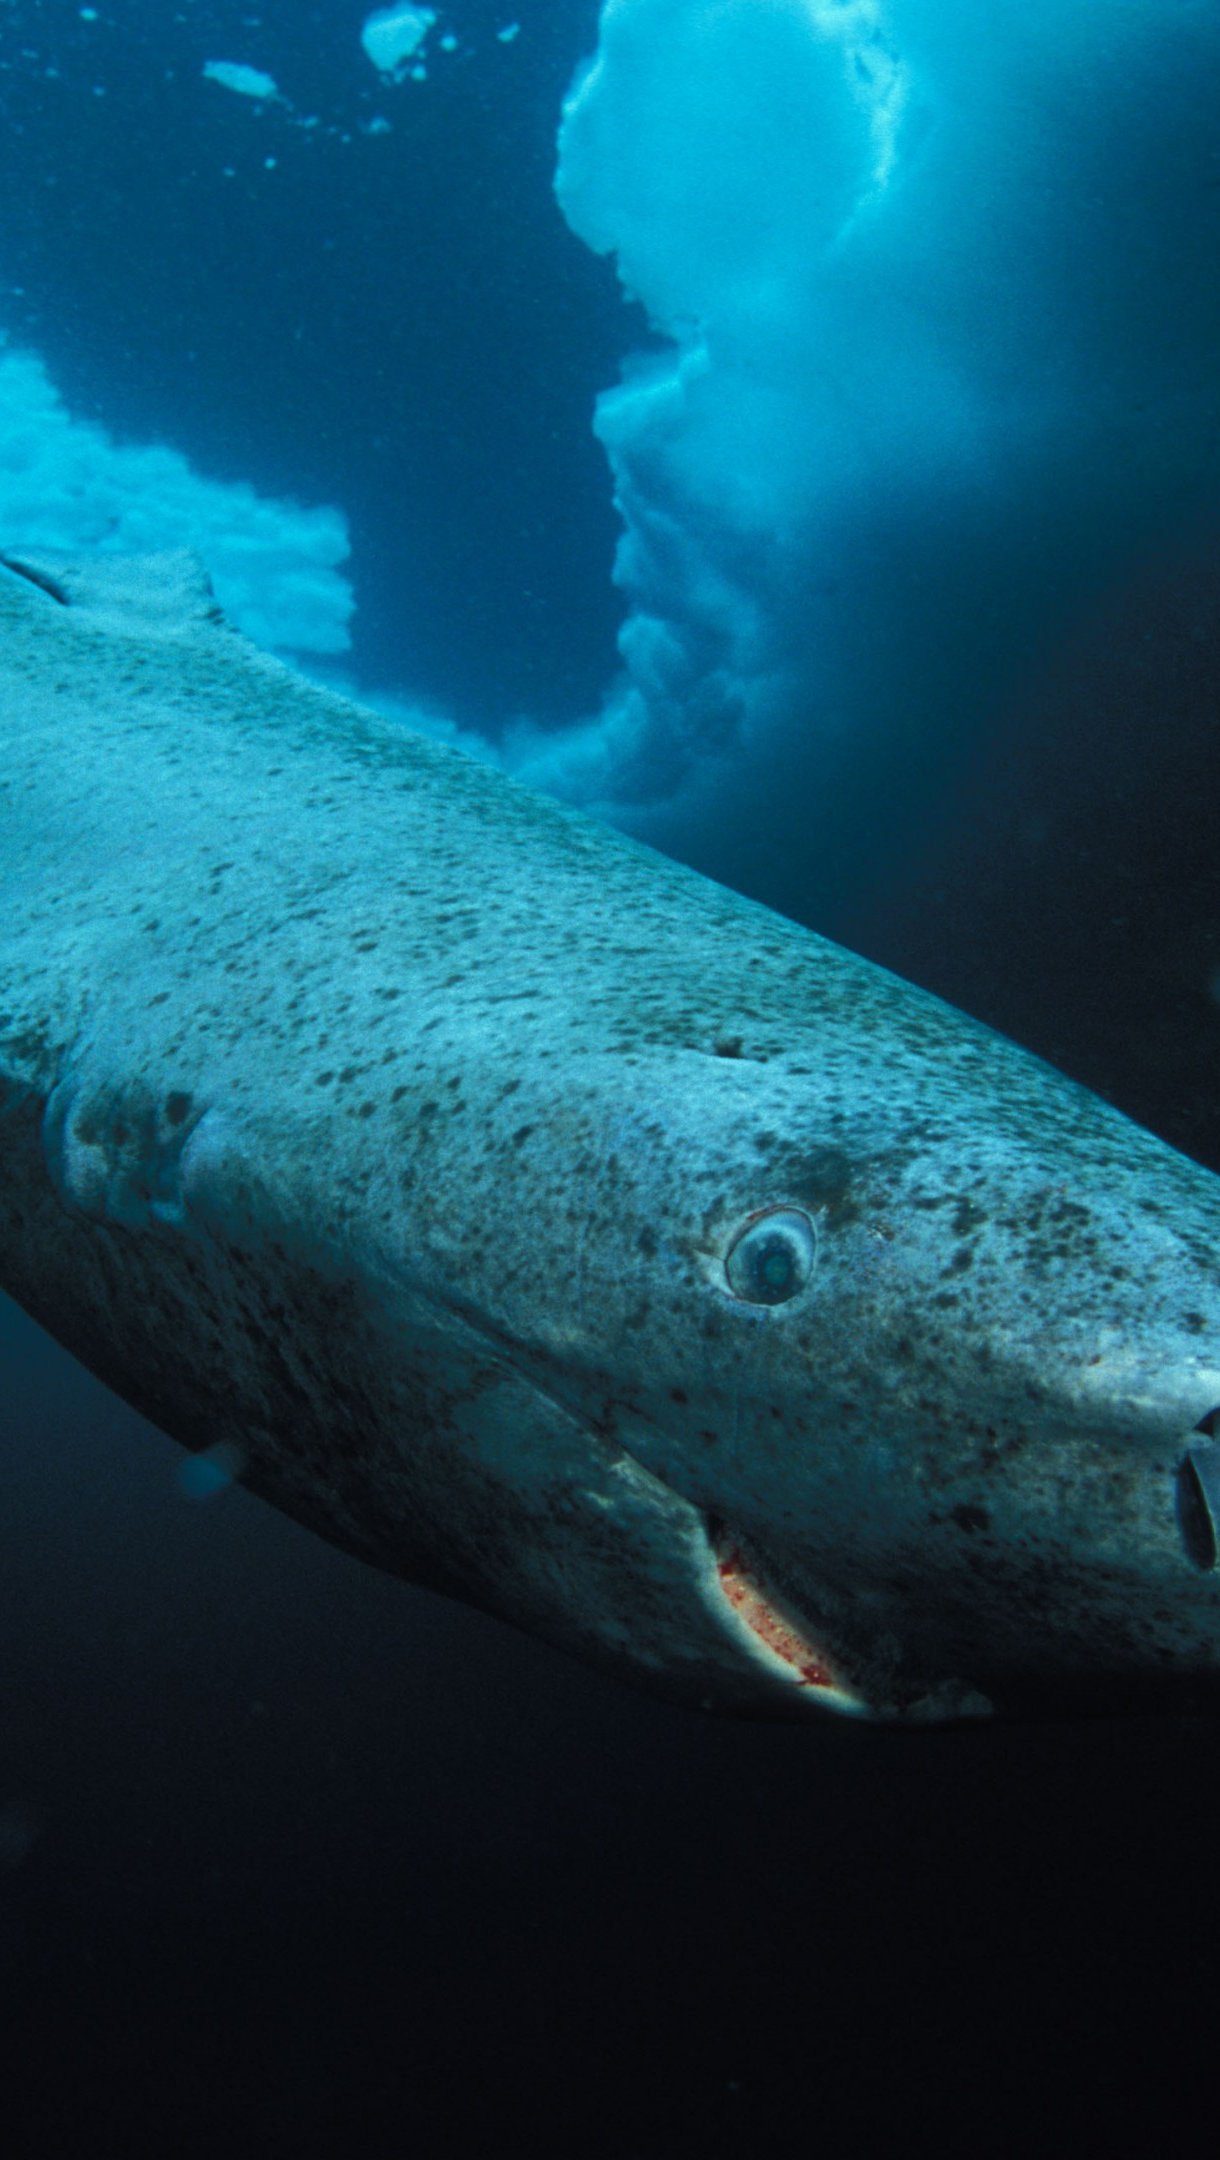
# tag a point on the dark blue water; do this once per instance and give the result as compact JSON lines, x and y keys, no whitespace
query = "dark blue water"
{"x":400,"y":323}
{"x":293,"y":1858}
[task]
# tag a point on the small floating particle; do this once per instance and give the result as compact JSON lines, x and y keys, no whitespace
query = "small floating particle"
{"x":235,"y":75}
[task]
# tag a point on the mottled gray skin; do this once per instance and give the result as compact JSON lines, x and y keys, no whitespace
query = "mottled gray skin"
{"x":392,"y":1125}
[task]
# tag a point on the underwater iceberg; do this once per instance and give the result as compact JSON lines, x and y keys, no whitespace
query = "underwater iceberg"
{"x":65,"y":484}
{"x":933,"y":362}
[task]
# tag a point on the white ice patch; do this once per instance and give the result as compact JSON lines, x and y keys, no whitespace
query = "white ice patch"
{"x":247,"y":81}
{"x":935,"y":324}
{"x":65,"y":484}
{"x":393,"y":35}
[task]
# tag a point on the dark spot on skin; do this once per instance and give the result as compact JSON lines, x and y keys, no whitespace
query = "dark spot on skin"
{"x":522,"y":1135}
{"x":647,"y":1243}
{"x":820,"y":1178}
{"x":727,"y":1046}
{"x":678,"y":1395}
{"x":396,"y":1094}
{"x":1194,"y":1321}
{"x":970,"y":1518}
{"x":324,"y":1079}
{"x":968,"y":1216}
{"x":177,"y":1106}
{"x":428,"y":1109}
{"x":962,"y":1259}
{"x":366,"y":1109}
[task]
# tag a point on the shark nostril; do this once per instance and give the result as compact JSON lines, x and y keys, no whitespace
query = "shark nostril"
{"x":1198,"y":1495}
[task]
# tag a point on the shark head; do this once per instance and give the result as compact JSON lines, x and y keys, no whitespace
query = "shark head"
{"x":872,"y":1364}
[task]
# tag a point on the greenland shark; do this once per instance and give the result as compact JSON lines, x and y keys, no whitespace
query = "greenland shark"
{"x":551,"y":1226}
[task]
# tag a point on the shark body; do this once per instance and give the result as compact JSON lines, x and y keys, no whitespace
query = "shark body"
{"x":553,"y":1227}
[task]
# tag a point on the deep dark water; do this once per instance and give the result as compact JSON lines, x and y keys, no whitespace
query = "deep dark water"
{"x":1053,"y":872}
{"x":399,"y":324}
{"x":294,"y":1859}
{"x":323,"y":1864}
{"x":1062,"y":884}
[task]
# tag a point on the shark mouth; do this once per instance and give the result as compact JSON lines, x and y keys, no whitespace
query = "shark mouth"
{"x":769,"y":1628}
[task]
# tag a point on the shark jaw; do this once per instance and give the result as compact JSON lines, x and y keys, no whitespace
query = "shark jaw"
{"x":771,"y":1630}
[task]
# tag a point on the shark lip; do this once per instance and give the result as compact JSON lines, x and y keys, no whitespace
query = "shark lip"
{"x":773,"y":1632}
{"x":761,"y":1628}
{"x":754,"y":1620}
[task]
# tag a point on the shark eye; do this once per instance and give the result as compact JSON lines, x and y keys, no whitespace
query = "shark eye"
{"x":772,"y":1260}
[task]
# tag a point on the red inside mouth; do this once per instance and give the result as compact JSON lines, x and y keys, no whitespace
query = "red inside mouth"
{"x":751,"y":1600}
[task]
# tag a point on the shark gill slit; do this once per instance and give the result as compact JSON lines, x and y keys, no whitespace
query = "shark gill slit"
{"x":1198,"y":1495}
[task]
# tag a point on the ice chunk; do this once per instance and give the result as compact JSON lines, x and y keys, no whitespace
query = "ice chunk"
{"x":935,"y":316}
{"x":392,"y":35}
{"x":65,"y":484}
{"x":247,"y":81}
